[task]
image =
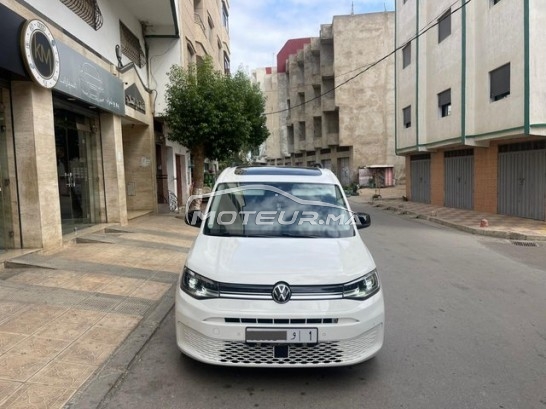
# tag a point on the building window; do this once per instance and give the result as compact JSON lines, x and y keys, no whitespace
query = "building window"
{"x":444,"y":26}
{"x":130,"y":46}
{"x":406,"y":55}
{"x":317,"y":127}
{"x":493,"y":2}
{"x":225,"y":15}
{"x":406,"y":113}
{"x":226,"y":64}
{"x":444,"y":103}
{"x":190,"y":54}
{"x":302,"y":131}
{"x":499,"y":82}
{"x":210,"y":31}
{"x":290,"y":136}
{"x":87,"y":10}
{"x":220,"y":51}
{"x":301,"y":101}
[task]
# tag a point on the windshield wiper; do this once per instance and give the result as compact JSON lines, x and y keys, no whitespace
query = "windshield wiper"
{"x":225,"y":234}
{"x":277,"y":235}
{"x":265,"y":235}
{"x":302,"y":235}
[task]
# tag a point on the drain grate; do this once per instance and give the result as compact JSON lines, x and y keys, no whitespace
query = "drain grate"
{"x":525,"y":243}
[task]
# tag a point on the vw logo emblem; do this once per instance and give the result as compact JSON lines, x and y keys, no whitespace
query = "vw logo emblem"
{"x":281,"y":293}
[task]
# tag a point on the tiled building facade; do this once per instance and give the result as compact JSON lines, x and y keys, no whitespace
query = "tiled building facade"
{"x":469,"y":104}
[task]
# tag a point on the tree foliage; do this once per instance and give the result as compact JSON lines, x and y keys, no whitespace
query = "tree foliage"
{"x":214,"y":115}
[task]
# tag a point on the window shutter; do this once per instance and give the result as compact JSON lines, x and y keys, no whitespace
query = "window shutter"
{"x":500,"y":81}
{"x":444,"y":98}
{"x":407,"y":115}
{"x":406,"y":55}
{"x":444,"y":26}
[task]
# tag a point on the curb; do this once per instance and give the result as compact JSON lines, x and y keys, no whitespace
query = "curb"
{"x":95,"y":391}
{"x":501,"y":234}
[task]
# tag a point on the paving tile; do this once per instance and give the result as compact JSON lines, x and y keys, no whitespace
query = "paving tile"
{"x":87,"y":351}
{"x":34,"y":396}
{"x":128,"y":256}
{"x":106,"y":335}
{"x":40,"y":348}
{"x":122,"y":286}
{"x":57,"y":278}
{"x":19,"y":367}
{"x":84,"y":283}
{"x":151,"y":290}
{"x":119,"y":321}
{"x":63,"y":329}
{"x":32,"y":319}
{"x":8,"y":340}
{"x":63,"y":374}
{"x":82,"y":315}
{"x":7,"y":309}
{"x":7,"y":388}
{"x":28,"y":277}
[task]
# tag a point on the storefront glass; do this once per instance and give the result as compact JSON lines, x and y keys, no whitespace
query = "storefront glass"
{"x":79,"y":169}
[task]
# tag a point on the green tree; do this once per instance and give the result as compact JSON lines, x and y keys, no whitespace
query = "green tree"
{"x":212,"y":114}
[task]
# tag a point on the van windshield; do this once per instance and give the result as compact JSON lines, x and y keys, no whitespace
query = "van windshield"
{"x":278,"y":210}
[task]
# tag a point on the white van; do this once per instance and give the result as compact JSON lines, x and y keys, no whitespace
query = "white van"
{"x":278,"y":275}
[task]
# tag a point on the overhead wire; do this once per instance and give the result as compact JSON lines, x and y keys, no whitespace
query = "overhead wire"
{"x":433,"y":23}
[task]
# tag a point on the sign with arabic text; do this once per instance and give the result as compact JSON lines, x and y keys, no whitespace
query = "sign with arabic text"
{"x":81,"y":78}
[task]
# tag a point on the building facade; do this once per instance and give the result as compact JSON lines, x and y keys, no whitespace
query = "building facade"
{"x":332,"y":110}
{"x":82,"y":92}
{"x":204,"y":25}
{"x":266,"y":79}
{"x":470,"y":117}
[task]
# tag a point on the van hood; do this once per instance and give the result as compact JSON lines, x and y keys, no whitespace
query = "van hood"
{"x":297,"y":261}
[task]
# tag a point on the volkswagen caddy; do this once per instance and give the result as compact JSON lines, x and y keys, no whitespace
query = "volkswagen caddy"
{"x":278,"y":275}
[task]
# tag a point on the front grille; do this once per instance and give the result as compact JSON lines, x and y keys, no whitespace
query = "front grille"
{"x":240,"y":353}
{"x":281,"y":320}
{"x":263,"y":292}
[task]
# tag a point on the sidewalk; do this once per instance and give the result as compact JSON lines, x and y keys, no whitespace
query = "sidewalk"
{"x":486,"y":224}
{"x":84,"y":312}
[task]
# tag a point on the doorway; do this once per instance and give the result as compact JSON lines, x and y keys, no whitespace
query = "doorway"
{"x":77,"y":170}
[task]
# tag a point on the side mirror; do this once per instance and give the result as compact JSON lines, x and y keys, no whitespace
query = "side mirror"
{"x":194,"y":218}
{"x":363,"y":220}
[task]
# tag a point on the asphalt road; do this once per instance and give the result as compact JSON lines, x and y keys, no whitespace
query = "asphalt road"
{"x":466,"y":328}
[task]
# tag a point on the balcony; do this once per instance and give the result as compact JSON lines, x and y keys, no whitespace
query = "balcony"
{"x":329,"y":102}
{"x":315,"y":46}
{"x":160,"y":16}
{"x":326,"y":33}
{"x":327,"y":70}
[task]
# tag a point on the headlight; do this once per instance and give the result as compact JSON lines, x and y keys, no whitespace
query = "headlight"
{"x":198,"y":286}
{"x":362,"y":288}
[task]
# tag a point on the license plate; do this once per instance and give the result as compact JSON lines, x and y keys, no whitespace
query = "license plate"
{"x":282,"y":335}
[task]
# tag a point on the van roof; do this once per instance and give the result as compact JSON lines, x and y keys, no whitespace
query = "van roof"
{"x":277,"y":173}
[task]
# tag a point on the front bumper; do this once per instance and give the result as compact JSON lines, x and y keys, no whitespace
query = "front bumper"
{"x":213,"y":331}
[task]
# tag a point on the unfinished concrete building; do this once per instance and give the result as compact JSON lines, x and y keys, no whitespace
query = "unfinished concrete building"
{"x":334,"y":108}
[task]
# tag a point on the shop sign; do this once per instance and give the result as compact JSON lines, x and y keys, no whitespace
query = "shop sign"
{"x":133,"y":99}
{"x":40,"y":53}
{"x":83,"y":79}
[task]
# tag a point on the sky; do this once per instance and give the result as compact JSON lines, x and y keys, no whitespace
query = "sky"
{"x":259,"y":28}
